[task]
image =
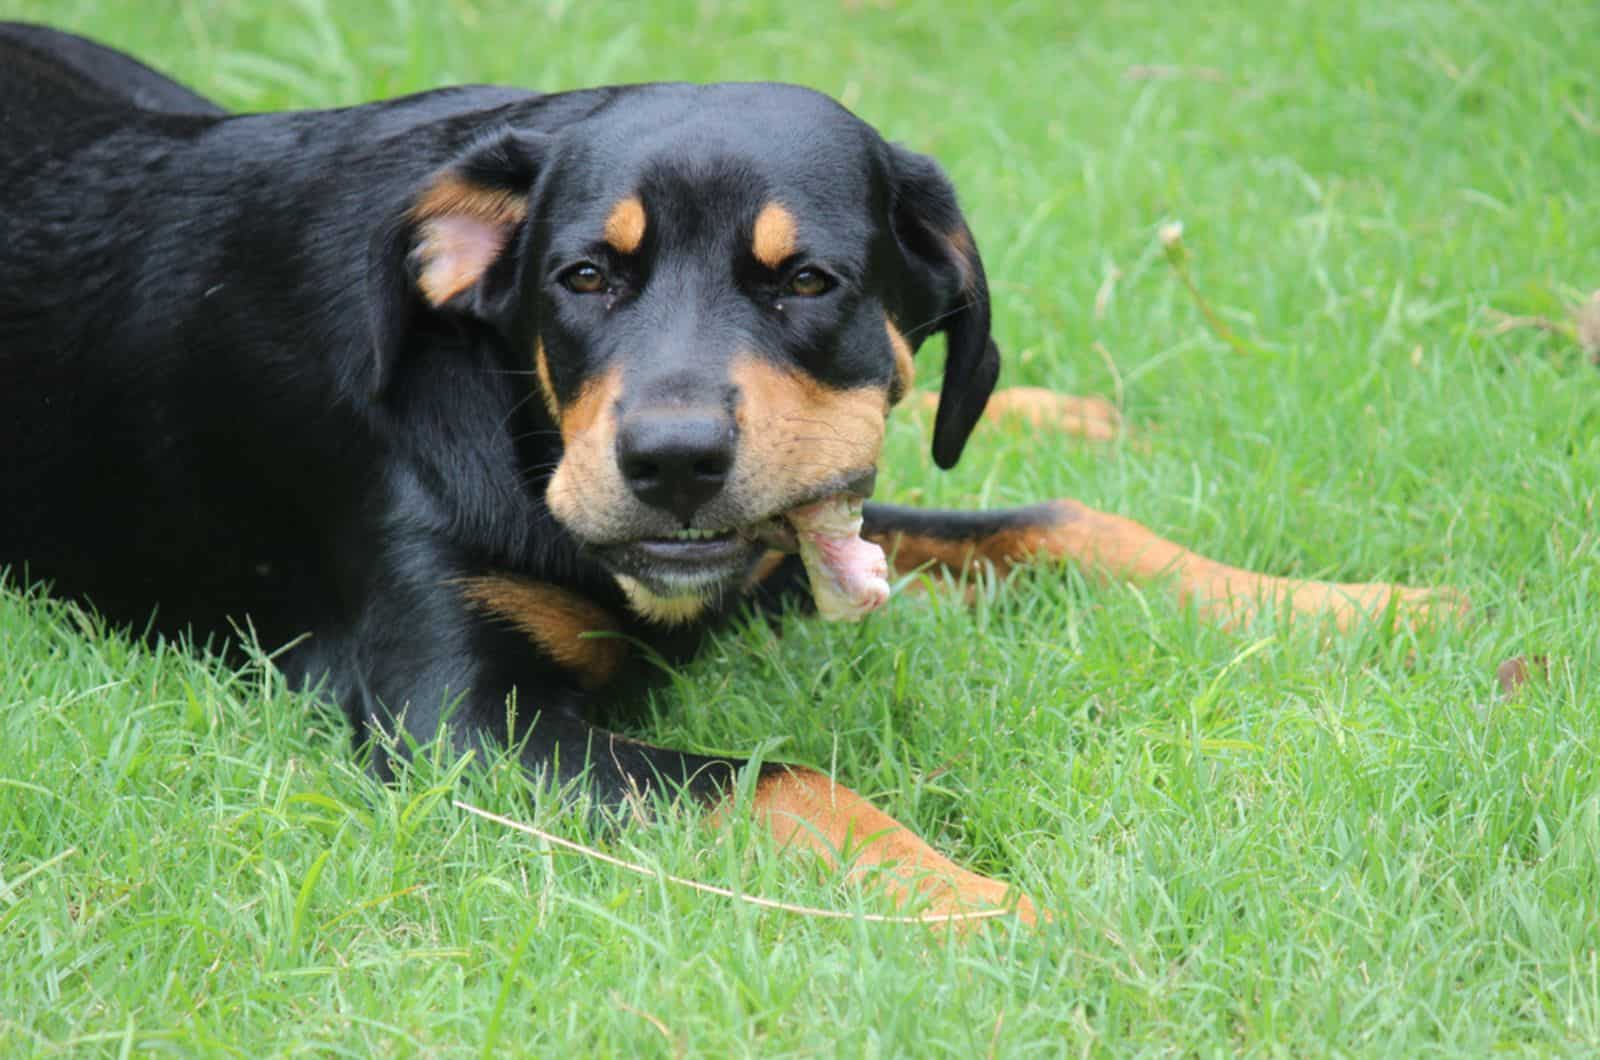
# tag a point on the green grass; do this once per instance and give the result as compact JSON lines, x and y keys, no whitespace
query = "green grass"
{"x":1271,"y":841}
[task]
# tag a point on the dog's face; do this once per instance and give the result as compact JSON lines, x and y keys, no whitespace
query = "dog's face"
{"x":718,"y":291}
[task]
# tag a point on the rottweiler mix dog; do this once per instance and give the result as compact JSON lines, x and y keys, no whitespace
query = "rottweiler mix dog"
{"x":432,"y":388}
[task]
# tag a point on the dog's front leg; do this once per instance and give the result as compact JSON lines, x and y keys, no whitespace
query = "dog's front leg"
{"x":536,"y":640}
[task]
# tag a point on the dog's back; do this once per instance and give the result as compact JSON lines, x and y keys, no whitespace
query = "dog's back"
{"x":39,"y":65}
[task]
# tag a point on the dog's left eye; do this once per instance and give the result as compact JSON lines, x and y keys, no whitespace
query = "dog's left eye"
{"x":584,"y":278}
{"x":809,"y":283}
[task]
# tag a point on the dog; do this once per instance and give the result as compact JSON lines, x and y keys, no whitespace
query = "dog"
{"x":431,"y":390}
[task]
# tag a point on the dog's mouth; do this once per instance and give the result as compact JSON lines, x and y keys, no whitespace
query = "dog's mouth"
{"x":707,"y":561}
{"x":699,"y":561}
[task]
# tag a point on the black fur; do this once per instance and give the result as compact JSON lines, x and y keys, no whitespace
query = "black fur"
{"x":223,"y":399}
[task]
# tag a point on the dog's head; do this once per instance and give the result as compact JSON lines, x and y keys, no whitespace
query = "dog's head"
{"x":718,"y":292}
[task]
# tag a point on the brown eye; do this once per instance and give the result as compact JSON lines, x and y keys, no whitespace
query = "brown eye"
{"x":584,"y":278}
{"x":808,"y":283}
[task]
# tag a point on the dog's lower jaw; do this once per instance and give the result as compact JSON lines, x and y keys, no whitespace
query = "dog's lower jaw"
{"x":662,"y":610}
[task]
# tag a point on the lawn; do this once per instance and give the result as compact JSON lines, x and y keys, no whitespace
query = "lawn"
{"x":1272,"y":840}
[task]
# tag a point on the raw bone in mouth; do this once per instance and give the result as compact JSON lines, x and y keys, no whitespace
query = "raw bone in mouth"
{"x":849,"y":574}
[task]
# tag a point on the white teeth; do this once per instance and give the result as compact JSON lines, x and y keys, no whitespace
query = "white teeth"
{"x":696,"y":535}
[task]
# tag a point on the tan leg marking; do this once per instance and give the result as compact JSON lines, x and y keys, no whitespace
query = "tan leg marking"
{"x":625,"y":225}
{"x":556,"y":620}
{"x":805,"y":809}
{"x":1118,"y":548}
{"x":1093,"y":418}
{"x":775,"y":236}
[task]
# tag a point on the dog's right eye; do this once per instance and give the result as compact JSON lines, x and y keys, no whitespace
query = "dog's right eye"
{"x":584,"y":278}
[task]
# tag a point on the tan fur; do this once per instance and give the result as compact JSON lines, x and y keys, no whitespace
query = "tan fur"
{"x":765,"y":568}
{"x":962,"y":249}
{"x":445,"y":272}
{"x":450,"y":194}
{"x":547,"y":389}
{"x":775,"y":236}
{"x":797,"y":435}
{"x":806,"y":809}
{"x":625,"y":225}
{"x":905,"y":369}
{"x":914,"y":552}
{"x":588,"y":435}
{"x":798,"y":439}
{"x":1121,"y":549}
{"x":557,"y":621}
{"x":662,"y":610}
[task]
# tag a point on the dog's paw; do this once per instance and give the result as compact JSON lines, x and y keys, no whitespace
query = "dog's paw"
{"x":1348,"y":604}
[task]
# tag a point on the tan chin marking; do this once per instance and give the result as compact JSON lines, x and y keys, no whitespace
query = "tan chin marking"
{"x":662,"y":610}
{"x":625,"y":225}
{"x":557,"y":621}
{"x":775,"y":235}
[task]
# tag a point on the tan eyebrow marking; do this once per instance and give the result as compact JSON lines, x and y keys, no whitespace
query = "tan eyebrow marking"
{"x":625,"y":225}
{"x":775,"y":236}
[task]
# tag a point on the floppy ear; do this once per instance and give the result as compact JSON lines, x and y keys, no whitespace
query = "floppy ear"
{"x":944,"y":289}
{"x":452,"y":247}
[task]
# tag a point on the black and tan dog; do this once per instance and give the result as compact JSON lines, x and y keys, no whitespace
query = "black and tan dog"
{"x":448,"y":381}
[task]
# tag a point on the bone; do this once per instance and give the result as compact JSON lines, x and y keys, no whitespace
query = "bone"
{"x":849,"y":575}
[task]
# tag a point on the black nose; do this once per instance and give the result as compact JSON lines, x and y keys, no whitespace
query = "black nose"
{"x":676,"y":459}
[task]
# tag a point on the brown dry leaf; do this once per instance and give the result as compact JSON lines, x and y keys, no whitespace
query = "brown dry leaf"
{"x":1518,"y":671}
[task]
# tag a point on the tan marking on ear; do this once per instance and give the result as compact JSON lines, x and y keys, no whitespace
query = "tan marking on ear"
{"x":797,"y":435}
{"x":662,"y":610}
{"x":462,"y":227}
{"x":965,"y":253}
{"x":625,"y":225}
{"x":805,"y":809}
{"x":905,"y":369}
{"x":557,"y":620}
{"x":588,"y":435}
{"x":775,"y":236}
{"x":451,"y":194}
{"x":547,"y":389}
